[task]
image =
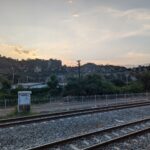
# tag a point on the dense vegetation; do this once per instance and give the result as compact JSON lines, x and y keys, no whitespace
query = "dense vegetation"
{"x":97,"y":85}
{"x":92,"y":84}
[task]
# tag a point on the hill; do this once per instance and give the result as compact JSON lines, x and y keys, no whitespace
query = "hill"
{"x":38,"y":70}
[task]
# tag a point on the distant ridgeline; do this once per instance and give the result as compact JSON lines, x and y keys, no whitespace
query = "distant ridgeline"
{"x":38,"y":70}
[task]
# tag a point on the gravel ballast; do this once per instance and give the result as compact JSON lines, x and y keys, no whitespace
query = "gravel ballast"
{"x":31,"y":135}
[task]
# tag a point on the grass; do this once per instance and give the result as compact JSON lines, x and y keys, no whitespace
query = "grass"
{"x":15,"y":113}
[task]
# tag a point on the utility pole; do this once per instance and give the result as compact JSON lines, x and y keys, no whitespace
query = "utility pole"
{"x":79,"y":76}
{"x":27,"y":78}
{"x":127,"y":80}
{"x":13,"y":75}
{"x":79,"y":69}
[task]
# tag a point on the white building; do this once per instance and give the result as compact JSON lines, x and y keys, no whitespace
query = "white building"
{"x":30,"y":85}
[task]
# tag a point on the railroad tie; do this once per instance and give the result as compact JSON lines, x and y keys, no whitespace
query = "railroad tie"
{"x":86,"y":142}
{"x":96,"y":139}
{"x":143,"y":125}
{"x":116,"y":134}
{"x":108,"y":137}
{"x":116,"y":148}
{"x":137,"y":127}
{"x":130,"y":129}
{"x":74,"y":147}
{"x":148,"y":123}
{"x":121,"y":121}
{"x":124,"y":131}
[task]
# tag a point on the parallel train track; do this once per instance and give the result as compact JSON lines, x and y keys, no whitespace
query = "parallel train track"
{"x":101,"y":138}
{"x":46,"y":117}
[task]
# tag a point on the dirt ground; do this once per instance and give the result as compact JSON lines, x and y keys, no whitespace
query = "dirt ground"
{"x":47,"y":108}
{"x":6,"y":112}
{"x":60,"y":106}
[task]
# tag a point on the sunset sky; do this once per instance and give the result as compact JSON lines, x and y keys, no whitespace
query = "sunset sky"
{"x":100,"y":31}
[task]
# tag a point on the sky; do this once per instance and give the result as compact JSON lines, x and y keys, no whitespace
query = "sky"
{"x":99,"y":31}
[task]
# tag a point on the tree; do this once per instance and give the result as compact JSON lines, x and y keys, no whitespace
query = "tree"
{"x":53,"y":85}
{"x":132,"y":87}
{"x":118,"y":82}
{"x":53,"y":82}
{"x":145,"y":79}
{"x":5,"y":83}
{"x":93,"y":84}
{"x":88,"y":85}
{"x":73,"y":87}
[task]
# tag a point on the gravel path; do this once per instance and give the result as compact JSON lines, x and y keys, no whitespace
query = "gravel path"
{"x":26,"y":136}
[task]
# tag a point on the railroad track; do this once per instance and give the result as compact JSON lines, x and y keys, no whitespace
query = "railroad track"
{"x":100,"y":139}
{"x":46,"y":117}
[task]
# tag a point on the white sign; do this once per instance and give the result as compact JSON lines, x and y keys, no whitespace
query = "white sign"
{"x":24,"y":97}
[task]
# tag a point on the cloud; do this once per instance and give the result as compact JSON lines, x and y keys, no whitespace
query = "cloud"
{"x":104,"y":24}
{"x":136,"y":14}
{"x":70,"y":1}
{"x":76,"y":15}
{"x":132,"y":57}
{"x":59,"y":50}
{"x":17,"y":51}
{"x":128,"y":59}
{"x":81,"y":32}
{"x":113,"y":35}
{"x":137,"y":55}
{"x":21,"y":51}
